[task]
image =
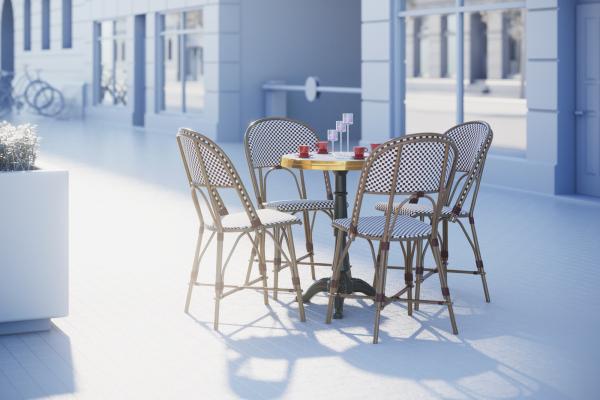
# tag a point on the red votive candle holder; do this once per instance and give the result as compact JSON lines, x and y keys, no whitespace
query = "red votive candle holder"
{"x":322,"y":148}
{"x":359,"y":152}
{"x":303,"y":151}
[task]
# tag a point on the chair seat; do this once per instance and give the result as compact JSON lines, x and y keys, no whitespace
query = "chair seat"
{"x":300,"y":205}
{"x":269,"y":218}
{"x":372,"y":227}
{"x":424,"y":209}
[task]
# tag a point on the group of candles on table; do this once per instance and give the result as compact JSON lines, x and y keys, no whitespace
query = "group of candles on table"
{"x":333,"y":135}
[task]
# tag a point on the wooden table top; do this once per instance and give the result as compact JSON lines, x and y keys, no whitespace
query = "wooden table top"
{"x":323,"y":162}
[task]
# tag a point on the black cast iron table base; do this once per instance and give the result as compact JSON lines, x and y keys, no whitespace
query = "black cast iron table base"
{"x":347,"y":283}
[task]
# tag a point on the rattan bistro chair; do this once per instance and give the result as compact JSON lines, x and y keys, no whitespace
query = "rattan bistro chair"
{"x":473,"y":140}
{"x":210,"y":172}
{"x":266,"y":140}
{"x":419,"y":165}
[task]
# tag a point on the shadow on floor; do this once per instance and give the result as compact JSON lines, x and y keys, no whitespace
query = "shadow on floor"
{"x":35,"y":365}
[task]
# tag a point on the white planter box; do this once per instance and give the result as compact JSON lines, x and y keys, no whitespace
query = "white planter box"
{"x":34,"y":248}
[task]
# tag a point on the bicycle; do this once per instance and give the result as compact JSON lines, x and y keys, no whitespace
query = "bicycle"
{"x":34,"y":92}
{"x":115,"y":89}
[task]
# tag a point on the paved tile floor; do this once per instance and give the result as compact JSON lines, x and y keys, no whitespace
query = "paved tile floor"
{"x":132,"y":237}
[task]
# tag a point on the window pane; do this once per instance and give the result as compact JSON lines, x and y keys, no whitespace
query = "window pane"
{"x":172,"y":21}
{"x":495,"y":75}
{"x":194,"y":73}
{"x":120,"y":26}
{"x":420,"y":4}
{"x":45,"y":24}
{"x":172,"y":71}
{"x":183,"y":62}
{"x":193,"y":19}
{"x":430,"y":90}
{"x":113,"y":64}
{"x":67,"y":24}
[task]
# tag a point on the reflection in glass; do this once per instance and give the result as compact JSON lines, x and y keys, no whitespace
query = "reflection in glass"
{"x":421,"y":4}
{"x":493,"y":67}
{"x":183,"y":62}
{"x":113,"y":63}
{"x":495,"y":76}
{"x":430,"y":95}
{"x":172,"y":88}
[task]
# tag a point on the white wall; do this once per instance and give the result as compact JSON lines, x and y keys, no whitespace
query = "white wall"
{"x":289,"y":40}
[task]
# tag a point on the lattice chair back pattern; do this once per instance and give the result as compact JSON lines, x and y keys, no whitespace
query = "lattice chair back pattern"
{"x":473,"y":140}
{"x":207,"y":167}
{"x":267,"y":140}
{"x":418,"y":165}
{"x":210,"y":170}
{"x":413,"y":166}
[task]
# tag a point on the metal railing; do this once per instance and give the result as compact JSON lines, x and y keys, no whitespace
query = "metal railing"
{"x":276,"y":93}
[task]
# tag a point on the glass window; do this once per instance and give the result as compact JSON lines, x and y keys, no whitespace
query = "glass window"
{"x":182,"y":62}
{"x":430,"y":95}
{"x":67,"y":24}
{"x":45,"y":24}
{"x":113,"y":63}
{"x":495,"y":76}
{"x":27,"y":25}
{"x":493,"y":69}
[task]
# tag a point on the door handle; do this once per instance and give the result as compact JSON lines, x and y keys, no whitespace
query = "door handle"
{"x":579,"y":113}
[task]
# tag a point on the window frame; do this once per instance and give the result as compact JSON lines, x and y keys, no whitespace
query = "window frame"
{"x":116,"y":52}
{"x":162,"y":50}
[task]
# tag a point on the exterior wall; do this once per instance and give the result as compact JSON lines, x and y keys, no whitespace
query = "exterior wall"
{"x":65,"y":68}
{"x":548,"y":163}
{"x":246,"y":43}
{"x":289,"y":40}
{"x":376,"y":71}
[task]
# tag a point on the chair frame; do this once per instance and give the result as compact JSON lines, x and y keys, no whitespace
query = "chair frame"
{"x":410,"y":246}
{"x":259,"y":176}
{"x":203,"y":187}
{"x":472,"y":181}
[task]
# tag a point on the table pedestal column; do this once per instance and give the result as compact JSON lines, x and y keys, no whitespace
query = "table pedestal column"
{"x":347,"y":284}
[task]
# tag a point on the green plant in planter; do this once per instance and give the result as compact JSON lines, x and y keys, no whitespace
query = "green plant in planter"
{"x":18,"y":146}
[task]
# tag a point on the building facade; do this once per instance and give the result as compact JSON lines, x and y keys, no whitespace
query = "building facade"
{"x":165,"y":64}
{"x":530,"y":68}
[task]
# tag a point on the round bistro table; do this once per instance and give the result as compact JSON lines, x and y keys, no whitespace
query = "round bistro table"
{"x":340,"y":167}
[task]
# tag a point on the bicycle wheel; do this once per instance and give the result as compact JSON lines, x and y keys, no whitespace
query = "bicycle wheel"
{"x":49,"y":102}
{"x":31,"y":91}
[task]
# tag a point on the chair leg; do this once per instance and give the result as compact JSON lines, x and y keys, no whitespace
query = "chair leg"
{"x":309,"y":242}
{"x":250,"y":264}
{"x":276,"y":262}
{"x":219,"y":279}
{"x":408,"y":275}
{"x":294,"y":272}
{"x":419,"y":273}
{"x":380,"y":292}
{"x":435,"y":250}
{"x":335,"y":276}
{"x":444,"y":251}
{"x":479,"y":261}
{"x":262,"y":265}
{"x":194,"y":273}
